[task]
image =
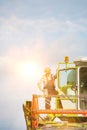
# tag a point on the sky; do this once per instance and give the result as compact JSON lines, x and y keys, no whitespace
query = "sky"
{"x":35,"y":34}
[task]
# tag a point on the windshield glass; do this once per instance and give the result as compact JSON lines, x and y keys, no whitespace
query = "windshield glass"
{"x":83,"y":87}
{"x":67,"y":80}
{"x":67,"y":77}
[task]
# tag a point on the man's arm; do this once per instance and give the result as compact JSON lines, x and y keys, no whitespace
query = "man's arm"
{"x":55,"y":76}
{"x":39,"y":86}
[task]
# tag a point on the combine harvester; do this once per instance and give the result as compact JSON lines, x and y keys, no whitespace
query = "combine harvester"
{"x":72,"y":82}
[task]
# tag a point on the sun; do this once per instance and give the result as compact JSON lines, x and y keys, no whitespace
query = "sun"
{"x":28,"y":70}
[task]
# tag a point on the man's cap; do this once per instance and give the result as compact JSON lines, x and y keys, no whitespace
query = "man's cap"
{"x":47,"y":70}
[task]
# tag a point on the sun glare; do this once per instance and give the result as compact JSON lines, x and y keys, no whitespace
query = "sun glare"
{"x":28,"y":70}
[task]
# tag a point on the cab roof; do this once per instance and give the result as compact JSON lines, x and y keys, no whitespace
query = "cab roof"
{"x":81,"y":61}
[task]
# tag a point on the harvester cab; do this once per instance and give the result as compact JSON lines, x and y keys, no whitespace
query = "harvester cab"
{"x":72,"y":80}
{"x":72,"y":83}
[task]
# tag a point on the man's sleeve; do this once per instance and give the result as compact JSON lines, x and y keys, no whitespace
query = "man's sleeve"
{"x":40,"y":84}
{"x":55,"y":76}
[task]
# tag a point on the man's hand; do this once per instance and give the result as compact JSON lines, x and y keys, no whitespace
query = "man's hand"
{"x":45,"y":91}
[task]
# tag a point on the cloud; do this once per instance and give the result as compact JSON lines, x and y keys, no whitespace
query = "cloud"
{"x":38,"y":25}
{"x":24,"y":38}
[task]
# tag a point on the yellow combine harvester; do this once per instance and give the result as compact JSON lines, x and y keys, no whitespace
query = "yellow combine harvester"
{"x":72,"y":81}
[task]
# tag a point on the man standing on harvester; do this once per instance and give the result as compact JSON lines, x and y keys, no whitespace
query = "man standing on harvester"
{"x":47,"y":86}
